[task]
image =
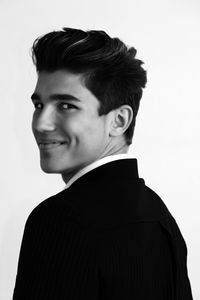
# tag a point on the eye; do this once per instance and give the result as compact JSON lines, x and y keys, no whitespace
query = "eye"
{"x":62,"y":105}
{"x":37,"y":105}
{"x":67,"y":106}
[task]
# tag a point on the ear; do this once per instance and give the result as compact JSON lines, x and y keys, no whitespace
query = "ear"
{"x":122,"y":118}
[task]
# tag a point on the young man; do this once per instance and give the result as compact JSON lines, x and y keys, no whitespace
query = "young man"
{"x":106,"y":235}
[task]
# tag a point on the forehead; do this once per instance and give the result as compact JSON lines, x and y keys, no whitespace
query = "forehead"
{"x":60,"y":80}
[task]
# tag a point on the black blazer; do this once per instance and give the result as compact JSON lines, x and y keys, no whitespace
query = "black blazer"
{"x":108,"y":236}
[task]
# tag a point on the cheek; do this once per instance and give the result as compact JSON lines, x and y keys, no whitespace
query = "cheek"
{"x":94,"y":135}
{"x":73,"y":126}
{"x":81,"y":125}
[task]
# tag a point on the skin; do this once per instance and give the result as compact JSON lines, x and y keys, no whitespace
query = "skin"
{"x":76,"y":121}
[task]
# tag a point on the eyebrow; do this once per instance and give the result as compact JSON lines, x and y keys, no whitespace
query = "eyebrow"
{"x":36,"y":96}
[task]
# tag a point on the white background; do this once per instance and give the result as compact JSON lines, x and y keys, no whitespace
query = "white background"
{"x":166,"y":141}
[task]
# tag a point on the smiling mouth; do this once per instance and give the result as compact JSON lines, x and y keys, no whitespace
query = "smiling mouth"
{"x":46,"y":146}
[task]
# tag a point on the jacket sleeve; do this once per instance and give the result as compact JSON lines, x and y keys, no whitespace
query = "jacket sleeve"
{"x":138,"y":262}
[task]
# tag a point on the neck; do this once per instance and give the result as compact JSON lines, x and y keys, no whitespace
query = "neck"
{"x":113,"y":151}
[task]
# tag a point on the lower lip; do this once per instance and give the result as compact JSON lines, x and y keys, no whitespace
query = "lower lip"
{"x":48,"y":147}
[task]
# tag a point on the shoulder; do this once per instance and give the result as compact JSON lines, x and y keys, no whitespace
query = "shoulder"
{"x":136,"y":239}
{"x":52,"y":210}
{"x":156,"y":205}
{"x":130,"y":242}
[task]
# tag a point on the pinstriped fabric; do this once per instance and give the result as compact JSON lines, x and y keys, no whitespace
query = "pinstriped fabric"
{"x":107,"y":237}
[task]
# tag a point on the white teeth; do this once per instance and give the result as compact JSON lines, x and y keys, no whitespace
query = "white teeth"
{"x":50,"y":145}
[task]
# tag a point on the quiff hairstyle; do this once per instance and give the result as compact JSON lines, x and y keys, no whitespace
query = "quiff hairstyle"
{"x":109,"y":67}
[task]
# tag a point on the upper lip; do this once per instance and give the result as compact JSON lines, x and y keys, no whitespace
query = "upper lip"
{"x":48,"y":141}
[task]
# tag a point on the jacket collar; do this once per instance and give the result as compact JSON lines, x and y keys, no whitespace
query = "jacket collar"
{"x":97,"y":164}
{"x":112,"y":194}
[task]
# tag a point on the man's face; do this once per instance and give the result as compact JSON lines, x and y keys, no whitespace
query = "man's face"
{"x":66,"y":123}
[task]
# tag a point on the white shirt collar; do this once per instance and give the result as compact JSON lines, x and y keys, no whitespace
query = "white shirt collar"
{"x":96,"y":164}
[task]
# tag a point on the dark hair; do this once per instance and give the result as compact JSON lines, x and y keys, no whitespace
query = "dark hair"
{"x":110,"y":69}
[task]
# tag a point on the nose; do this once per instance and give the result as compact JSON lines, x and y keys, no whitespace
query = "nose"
{"x":44,"y":121}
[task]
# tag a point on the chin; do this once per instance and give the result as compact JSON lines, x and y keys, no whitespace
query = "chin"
{"x":50,"y":169}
